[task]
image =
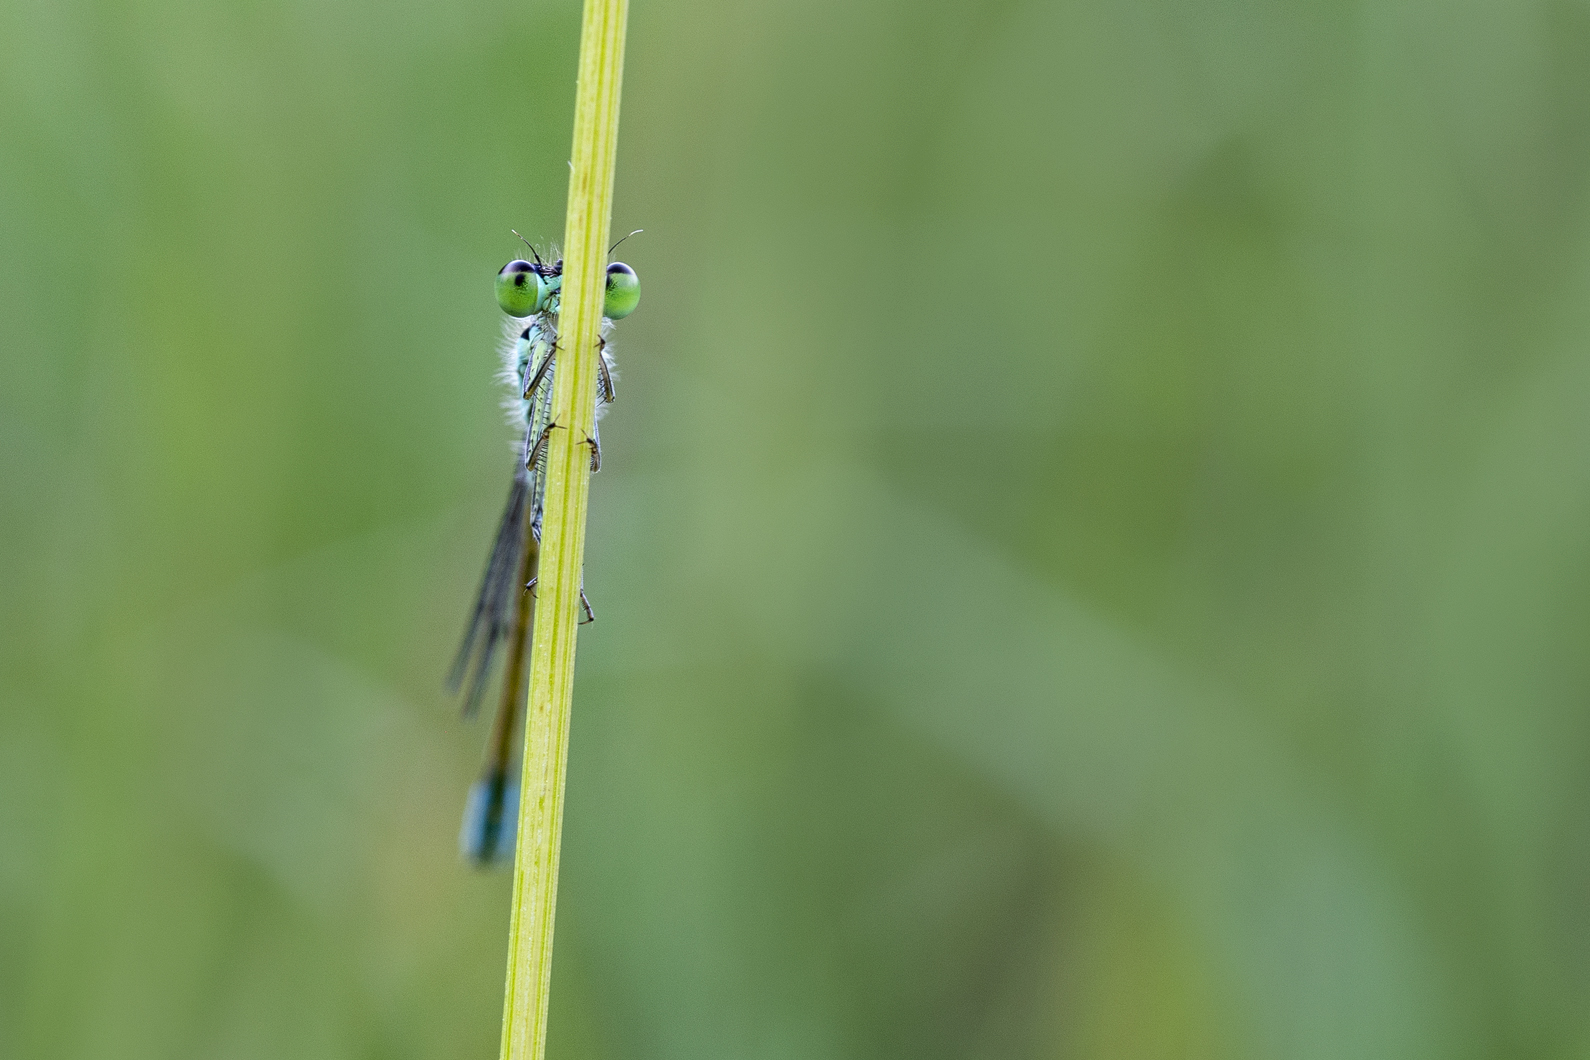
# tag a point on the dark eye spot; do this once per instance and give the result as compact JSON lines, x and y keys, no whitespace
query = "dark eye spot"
{"x":525,"y":334}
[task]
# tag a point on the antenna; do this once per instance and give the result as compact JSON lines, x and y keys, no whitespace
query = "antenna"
{"x":533,"y":253}
{"x":614,"y":247}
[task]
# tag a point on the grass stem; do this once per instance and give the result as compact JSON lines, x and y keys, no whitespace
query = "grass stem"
{"x":535,"y":874}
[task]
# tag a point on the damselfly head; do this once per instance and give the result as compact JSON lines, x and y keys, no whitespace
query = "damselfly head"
{"x":521,"y":290}
{"x":623,"y":291}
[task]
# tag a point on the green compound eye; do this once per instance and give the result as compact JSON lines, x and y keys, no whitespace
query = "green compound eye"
{"x":623,"y":291}
{"x":520,"y":289}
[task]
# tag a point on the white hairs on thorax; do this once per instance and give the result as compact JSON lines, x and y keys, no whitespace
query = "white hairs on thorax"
{"x":510,"y":374}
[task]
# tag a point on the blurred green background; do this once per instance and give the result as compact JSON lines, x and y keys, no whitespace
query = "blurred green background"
{"x":1092,"y":558}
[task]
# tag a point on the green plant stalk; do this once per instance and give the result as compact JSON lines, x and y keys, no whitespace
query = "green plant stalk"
{"x":562,"y":552}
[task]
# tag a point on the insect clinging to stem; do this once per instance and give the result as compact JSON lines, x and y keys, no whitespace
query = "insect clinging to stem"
{"x":530,"y":294}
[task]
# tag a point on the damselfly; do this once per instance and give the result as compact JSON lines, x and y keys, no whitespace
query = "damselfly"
{"x":530,"y":294}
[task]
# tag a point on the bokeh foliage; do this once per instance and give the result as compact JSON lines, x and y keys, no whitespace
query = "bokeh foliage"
{"x":1198,"y":669}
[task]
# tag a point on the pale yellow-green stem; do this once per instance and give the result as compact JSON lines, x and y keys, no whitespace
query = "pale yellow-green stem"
{"x":535,"y":873}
